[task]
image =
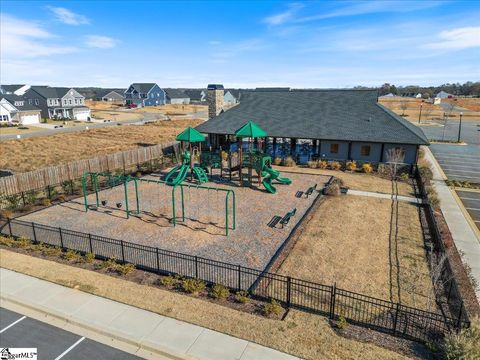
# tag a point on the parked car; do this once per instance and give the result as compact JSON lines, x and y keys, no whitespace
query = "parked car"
{"x":131,"y":106}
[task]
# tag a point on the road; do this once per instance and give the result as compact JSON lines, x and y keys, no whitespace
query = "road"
{"x":19,"y":331}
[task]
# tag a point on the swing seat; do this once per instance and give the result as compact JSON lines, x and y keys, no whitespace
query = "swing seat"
{"x":119,"y":205}
{"x":104,"y":202}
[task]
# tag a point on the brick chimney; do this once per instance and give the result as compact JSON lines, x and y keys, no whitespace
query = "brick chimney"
{"x":215,"y":94}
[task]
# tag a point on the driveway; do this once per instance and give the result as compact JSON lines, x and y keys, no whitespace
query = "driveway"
{"x":18,"y":331}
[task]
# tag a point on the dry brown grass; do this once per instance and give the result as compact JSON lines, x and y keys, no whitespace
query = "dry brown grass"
{"x":34,"y":153}
{"x":347,"y":242}
{"x":301,"y":334}
{"x":357,"y":180}
{"x":16,"y":130}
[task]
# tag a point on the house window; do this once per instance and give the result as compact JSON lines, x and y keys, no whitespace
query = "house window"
{"x":30,"y":101}
{"x":70,"y":101}
{"x":365,"y":150}
{"x":334,"y":148}
{"x":36,"y":101}
{"x":76,"y":101}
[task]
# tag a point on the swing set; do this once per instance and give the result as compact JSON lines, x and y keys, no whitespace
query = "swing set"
{"x":113,"y":180}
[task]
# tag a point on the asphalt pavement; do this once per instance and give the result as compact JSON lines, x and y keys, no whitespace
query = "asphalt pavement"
{"x":471,"y":202}
{"x":19,"y":331}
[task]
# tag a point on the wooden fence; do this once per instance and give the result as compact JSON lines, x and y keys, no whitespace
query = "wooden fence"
{"x":53,"y":175}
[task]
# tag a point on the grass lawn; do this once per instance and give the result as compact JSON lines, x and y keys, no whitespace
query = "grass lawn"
{"x":15,"y":130}
{"x":301,"y":334}
{"x":34,"y":153}
{"x":357,"y":180}
{"x":348,"y":242}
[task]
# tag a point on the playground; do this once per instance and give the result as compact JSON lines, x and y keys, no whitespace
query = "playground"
{"x":231,"y":207}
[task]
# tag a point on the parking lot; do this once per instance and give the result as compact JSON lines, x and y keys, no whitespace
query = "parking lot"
{"x":19,"y":331}
{"x":471,"y":202}
{"x":459,"y":162}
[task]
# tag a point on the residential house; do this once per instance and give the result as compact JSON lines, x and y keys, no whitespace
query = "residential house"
{"x":444,"y":95}
{"x":58,"y":102}
{"x":177,"y":96}
{"x":197,"y":96}
{"x":15,"y":109}
{"x":145,"y":94}
{"x":320,"y":124}
{"x":19,"y":90}
{"x":231,"y":97}
{"x":117,"y":96}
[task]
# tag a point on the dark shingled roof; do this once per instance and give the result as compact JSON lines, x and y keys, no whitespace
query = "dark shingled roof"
{"x":143,"y":88}
{"x":349,"y":115}
{"x":176,"y":94}
{"x":194,"y":94}
{"x":51,"y":92}
{"x":25,"y":107}
{"x":11,"y":88}
{"x":215,"y":87}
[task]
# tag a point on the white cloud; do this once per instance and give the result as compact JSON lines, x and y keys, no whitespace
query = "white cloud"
{"x":284,"y":16}
{"x":214,"y":42}
{"x":26,"y":39}
{"x":101,"y":42}
{"x":69,"y":17}
{"x":457,"y":39}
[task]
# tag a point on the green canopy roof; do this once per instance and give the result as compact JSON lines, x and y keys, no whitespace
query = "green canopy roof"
{"x":190,"y":135}
{"x":251,"y":130}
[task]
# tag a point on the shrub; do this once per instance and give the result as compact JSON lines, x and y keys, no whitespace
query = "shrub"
{"x":13,"y":201}
{"x":6,"y":214}
{"x":367,"y":168}
{"x":272,"y":308}
{"x":108,"y":265}
{"x":277,"y":161}
{"x":89,"y":257}
{"x":46,"y":202}
{"x":335,"y":165}
{"x":23,"y":243}
{"x":26,"y":208}
{"x":168,"y":281}
{"x":71,"y":255}
{"x":463,"y":345}
{"x":404,"y":176}
{"x":322,"y":164}
{"x":125,"y":269}
{"x":342,"y":323}
{"x":242,"y":297}
{"x":334,"y":187}
{"x":52,"y":251}
{"x":219,"y":292}
{"x":193,"y":286}
{"x":425,"y":173}
{"x":351,"y":165}
{"x":6,"y":241}
{"x":312,"y":164}
{"x":31,"y":197}
{"x":289,"y":162}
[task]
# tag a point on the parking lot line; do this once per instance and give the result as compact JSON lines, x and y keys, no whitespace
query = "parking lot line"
{"x":456,"y":155}
{"x":70,"y":348}
{"x":474,"y":209}
{"x":12,"y":324}
{"x":464,"y":171}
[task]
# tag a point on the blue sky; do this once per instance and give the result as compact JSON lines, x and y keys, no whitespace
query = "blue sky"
{"x":239,"y":44}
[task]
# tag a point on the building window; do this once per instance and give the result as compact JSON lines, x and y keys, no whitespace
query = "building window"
{"x":334,"y":148}
{"x":70,"y":101}
{"x":365,"y":150}
{"x":30,"y":101}
{"x":36,"y":101}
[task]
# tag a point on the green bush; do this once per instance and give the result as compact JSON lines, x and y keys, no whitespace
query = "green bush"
{"x":13,"y":201}
{"x":52,"y":251}
{"x":272,"y":308}
{"x":168,"y":281}
{"x":219,"y":292}
{"x":125,"y":269}
{"x":193,"y":286}
{"x":342,"y":323}
{"x":89,"y":257}
{"x":242,"y":297}
{"x":463,"y":345}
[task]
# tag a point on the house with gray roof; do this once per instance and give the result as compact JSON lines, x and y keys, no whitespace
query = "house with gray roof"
{"x":145,"y":94}
{"x":15,"y":109}
{"x":197,"y":96}
{"x":177,"y":96}
{"x":231,"y":97}
{"x":18,"y":89}
{"x":58,"y":102}
{"x":323,"y":124}
{"x":117,"y":96}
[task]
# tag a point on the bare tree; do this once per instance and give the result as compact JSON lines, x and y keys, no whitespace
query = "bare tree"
{"x":427,"y":112}
{"x":448,"y":107}
{"x":395,"y":157}
{"x":403,"y":106}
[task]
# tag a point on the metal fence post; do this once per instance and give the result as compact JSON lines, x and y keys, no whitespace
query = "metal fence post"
{"x":459,"y":321}
{"x":123,"y":250}
{"x":239,"y":278}
{"x":90,"y":243}
{"x":61,"y":236}
{"x":34,"y":233}
{"x":289,"y":285}
{"x":9,"y":227}
{"x":158,"y":261}
{"x":196,"y":267}
{"x":23,"y":198}
{"x":395,"y":320}
{"x":49,"y":192}
{"x":332,"y":301}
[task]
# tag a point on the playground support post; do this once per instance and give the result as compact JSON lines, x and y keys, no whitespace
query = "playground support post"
{"x":125,"y":185}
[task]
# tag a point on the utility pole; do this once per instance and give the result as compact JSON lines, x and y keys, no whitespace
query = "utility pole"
{"x":444,"y":126}
{"x":460,"y":127}
{"x":420,"y":113}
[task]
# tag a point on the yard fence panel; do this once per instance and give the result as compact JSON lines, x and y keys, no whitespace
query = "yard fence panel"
{"x":326,"y":300}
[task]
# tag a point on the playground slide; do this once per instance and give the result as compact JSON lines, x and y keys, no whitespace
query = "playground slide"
{"x":182,"y":174}
{"x":200,"y":174}
{"x":273,"y":175}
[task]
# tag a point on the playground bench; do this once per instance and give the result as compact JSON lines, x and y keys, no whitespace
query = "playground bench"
{"x":310,"y":190}
{"x":284,"y":221}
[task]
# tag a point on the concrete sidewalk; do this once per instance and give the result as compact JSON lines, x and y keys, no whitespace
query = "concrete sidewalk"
{"x":158,"y":335}
{"x":464,"y":236}
{"x":408,"y":199}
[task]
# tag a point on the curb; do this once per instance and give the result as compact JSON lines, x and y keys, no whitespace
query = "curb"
{"x":466,"y":214}
{"x":42,"y":315}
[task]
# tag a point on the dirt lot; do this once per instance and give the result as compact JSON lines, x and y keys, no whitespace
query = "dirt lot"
{"x":350,"y":241}
{"x":251,"y":244}
{"x":34,"y":153}
{"x":301,"y":334}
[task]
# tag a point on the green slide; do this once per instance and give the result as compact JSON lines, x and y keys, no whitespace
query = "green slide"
{"x":182,"y":174}
{"x":272,"y":174}
{"x":200,"y":174}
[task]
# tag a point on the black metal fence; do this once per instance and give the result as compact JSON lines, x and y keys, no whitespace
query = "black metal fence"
{"x":446,"y":282}
{"x":385,"y":316}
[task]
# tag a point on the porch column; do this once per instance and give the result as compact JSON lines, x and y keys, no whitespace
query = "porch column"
{"x":274,"y":144}
{"x":349,"y":156}
{"x":381,"y":152}
{"x":293,"y":143}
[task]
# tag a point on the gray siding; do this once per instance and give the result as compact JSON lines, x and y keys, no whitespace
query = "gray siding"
{"x":375,"y":152}
{"x":342,"y":150}
{"x":410,"y":152}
